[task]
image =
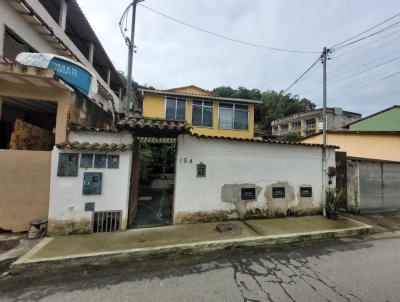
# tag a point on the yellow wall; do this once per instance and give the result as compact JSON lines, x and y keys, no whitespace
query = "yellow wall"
{"x":154,"y":106}
{"x":378,"y":146}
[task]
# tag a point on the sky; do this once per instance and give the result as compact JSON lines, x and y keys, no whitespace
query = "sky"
{"x":170,"y":54}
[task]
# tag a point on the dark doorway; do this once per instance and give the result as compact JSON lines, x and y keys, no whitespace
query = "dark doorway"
{"x":156,"y":183}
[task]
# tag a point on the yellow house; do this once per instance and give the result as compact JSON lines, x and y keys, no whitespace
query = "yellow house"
{"x":384,"y":145}
{"x":208,"y":113}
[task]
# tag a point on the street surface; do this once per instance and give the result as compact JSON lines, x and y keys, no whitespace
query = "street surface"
{"x":332,"y":270}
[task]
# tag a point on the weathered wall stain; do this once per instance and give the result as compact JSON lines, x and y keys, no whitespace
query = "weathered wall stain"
{"x":193,"y":217}
{"x":65,"y":227}
{"x":278,"y":207}
{"x":232,"y":193}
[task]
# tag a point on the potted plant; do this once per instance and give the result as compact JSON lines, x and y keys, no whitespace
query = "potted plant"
{"x":331,"y":203}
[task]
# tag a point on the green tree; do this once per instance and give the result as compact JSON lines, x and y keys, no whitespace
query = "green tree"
{"x":274,"y":105}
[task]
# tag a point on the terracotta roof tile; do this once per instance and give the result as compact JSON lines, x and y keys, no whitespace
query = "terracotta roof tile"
{"x":86,"y":146}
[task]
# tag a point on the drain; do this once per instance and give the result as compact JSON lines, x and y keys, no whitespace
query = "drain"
{"x":229,"y":229}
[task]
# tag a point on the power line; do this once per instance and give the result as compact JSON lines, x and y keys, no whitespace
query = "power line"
{"x":368,"y":84}
{"x":367,"y":30}
{"x":335,"y":81}
{"x":394,"y":25}
{"x":302,"y":75}
{"x":221,"y":36}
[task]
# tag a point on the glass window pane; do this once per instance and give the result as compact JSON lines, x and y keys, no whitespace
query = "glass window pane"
{"x":241,"y":120}
{"x":225,"y":118}
{"x":225,"y":105}
{"x":196,"y":116}
{"x":207,"y":116}
{"x":171,"y":108}
{"x":197,"y":102}
{"x":206,"y":103}
{"x":181,"y":110}
{"x":242,"y":107}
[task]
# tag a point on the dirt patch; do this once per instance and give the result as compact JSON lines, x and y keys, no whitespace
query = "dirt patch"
{"x":6,"y":245}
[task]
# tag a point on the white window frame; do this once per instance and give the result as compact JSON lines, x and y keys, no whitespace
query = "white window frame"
{"x":234,"y":113}
{"x":176,"y":105}
{"x":202,"y":112}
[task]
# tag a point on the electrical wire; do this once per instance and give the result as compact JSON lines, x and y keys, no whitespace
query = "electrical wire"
{"x":221,"y":36}
{"x":365,"y":31}
{"x":335,"y":81}
{"x":368,"y":84}
{"x":302,"y":75}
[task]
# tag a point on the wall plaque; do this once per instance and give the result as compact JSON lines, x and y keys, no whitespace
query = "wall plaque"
{"x":201,"y":170}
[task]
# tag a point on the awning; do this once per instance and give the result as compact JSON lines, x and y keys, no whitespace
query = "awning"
{"x":72,"y":72}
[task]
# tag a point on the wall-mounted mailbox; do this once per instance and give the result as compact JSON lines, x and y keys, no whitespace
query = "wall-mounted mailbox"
{"x":278,"y":192}
{"x":100,"y":161}
{"x":92,"y":182}
{"x":68,"y":164}
{"x":86,"y":160}
{"x":248,"y":193}
{"x":113,"y":161}
{"x":305,"y":192}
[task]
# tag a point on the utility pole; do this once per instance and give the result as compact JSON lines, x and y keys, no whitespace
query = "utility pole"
{"x":131,"y":47}
{"x":324,"y":58}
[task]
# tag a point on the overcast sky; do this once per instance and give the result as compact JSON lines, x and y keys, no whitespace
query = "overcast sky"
{"x":171,"y":54}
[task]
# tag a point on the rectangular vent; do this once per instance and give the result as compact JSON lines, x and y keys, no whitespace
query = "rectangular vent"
{"x":106,"y":221}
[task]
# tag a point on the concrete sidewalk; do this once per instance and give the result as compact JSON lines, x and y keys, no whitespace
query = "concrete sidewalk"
{"x":140,"y":244}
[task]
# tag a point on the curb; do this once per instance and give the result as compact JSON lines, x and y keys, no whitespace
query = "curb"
{"x":42,"y":265}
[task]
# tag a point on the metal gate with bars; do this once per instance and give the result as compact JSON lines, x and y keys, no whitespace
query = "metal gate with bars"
{"x":379,"y":185}
{"x":106,"y":221}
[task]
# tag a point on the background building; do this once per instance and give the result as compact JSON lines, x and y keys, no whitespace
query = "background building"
{"x":208,"y":113}
{"x":385,"y":120}
{"x":310,"y":122}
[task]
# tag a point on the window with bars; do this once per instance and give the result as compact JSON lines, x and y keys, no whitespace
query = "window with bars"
{"x":202,"y":113}
{"x":175,"y":108}
{"x":233,"y":116}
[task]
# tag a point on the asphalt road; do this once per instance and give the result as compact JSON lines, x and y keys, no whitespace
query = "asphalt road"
{"x":331,"y":270}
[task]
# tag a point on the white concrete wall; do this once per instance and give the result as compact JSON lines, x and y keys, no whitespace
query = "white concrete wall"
{"x":10,"y":18}
{"x":66,"y":208}
{"x":235,"y":162}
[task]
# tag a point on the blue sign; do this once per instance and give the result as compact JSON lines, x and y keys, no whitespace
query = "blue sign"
{"x":74,"y":75}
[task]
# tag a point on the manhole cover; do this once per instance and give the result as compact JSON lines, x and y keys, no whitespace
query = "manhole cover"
{"x":228,"y":229}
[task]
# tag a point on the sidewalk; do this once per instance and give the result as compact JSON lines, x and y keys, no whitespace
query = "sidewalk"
{"x":64,"y":252}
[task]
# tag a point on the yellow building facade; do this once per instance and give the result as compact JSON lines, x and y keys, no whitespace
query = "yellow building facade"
{"x":207,"y":113}
{"x":363,"y":144}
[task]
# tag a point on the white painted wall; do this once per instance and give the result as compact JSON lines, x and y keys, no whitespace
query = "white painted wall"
{"x":66,"y":199}
{"x":235,"y":162}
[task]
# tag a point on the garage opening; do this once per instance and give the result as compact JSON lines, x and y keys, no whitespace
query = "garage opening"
{"x":27,"y":124}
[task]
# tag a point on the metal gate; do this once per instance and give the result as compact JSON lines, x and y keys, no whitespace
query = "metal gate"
{"x":379,"y":187}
